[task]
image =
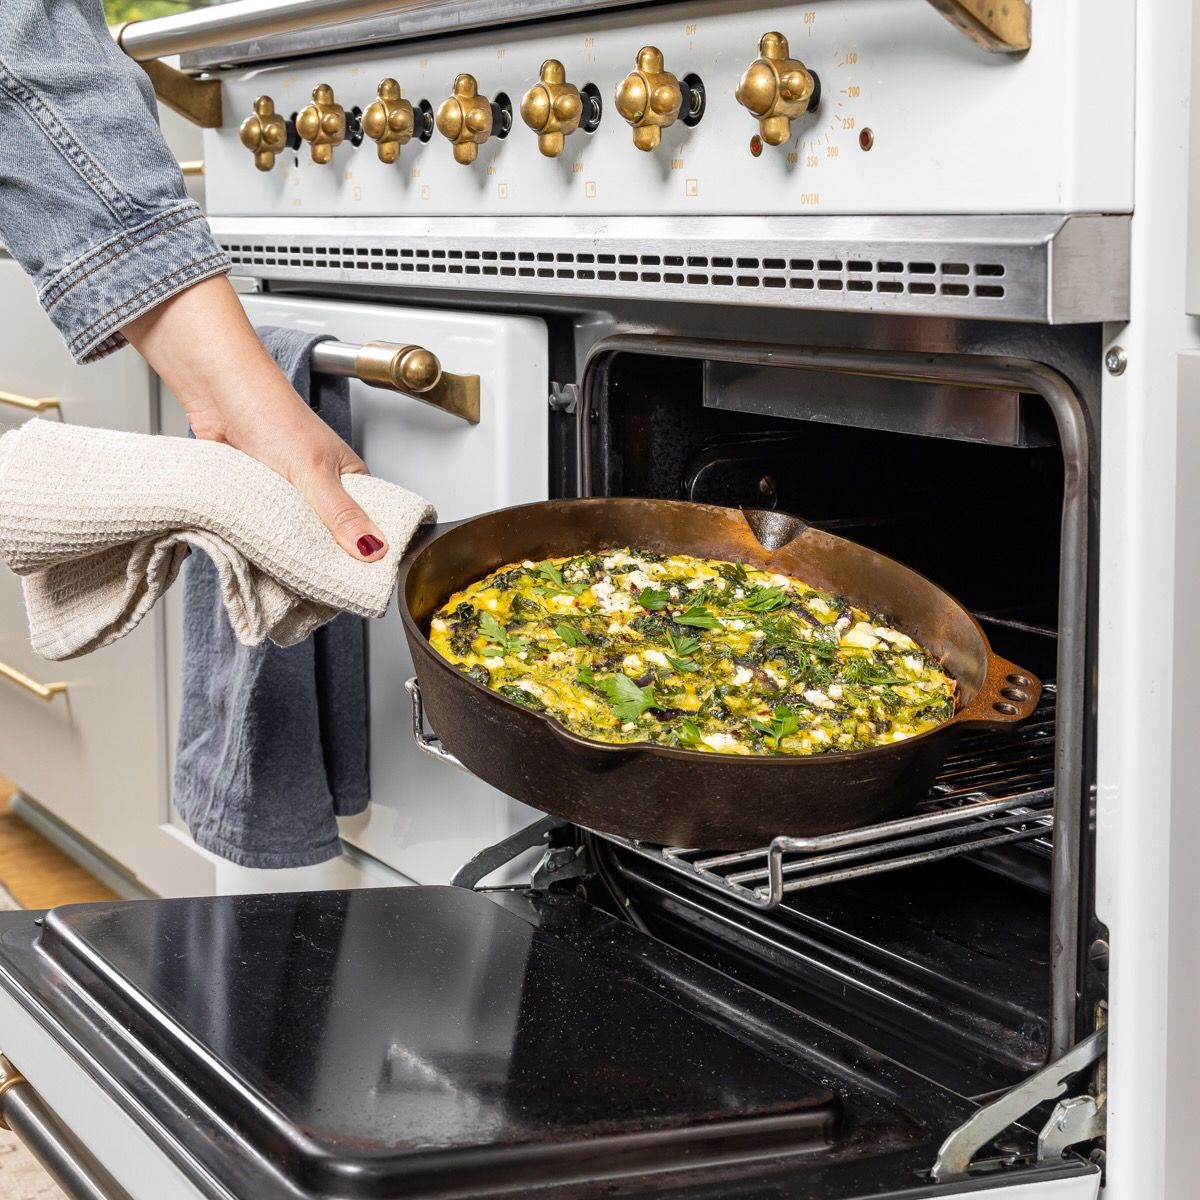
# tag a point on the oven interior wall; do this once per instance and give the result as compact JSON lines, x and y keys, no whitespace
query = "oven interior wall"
{"x":944,"y":966}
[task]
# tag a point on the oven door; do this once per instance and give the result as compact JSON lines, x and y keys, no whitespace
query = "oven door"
{"x":420,"y":822}
{"x":432,"y":1041}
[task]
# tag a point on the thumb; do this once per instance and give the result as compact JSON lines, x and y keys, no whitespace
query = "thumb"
{"x":353,"y":530}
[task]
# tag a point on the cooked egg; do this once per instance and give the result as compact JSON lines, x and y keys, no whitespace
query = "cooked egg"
{"x":739,"y":670}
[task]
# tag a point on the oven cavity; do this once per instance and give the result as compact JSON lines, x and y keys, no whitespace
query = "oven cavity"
{"x":931,"y":938}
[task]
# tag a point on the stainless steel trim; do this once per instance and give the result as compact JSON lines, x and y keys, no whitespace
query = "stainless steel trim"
{"x":1043,"y":268}
{"x":980,"y":371}
{"x":69,"y":1163}
{"x":959,"y":414}
{"x":245,"y":20}
{"x":404,"y":23}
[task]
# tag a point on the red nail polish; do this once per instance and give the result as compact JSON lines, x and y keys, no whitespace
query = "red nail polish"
{"x":369,"y":544}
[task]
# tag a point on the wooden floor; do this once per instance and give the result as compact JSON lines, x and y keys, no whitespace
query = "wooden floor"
{"x":38,"y":874}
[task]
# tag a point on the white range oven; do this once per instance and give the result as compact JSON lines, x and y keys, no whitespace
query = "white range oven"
{"x":918,"y":271}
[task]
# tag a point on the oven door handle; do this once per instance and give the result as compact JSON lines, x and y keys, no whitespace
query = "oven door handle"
{"x":410,"y":370}
{"x":69,"y":1163}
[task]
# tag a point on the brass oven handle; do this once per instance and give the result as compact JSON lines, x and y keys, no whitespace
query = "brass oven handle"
{"x":28,"y":403}
{"x":411,"y":370}
{"x":43,"y":691}
{"x":67,"y":1160}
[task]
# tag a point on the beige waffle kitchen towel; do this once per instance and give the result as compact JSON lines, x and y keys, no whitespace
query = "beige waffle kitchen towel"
{"x":98,"y":522}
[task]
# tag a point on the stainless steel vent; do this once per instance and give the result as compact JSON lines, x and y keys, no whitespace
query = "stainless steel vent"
{"x":1042,"y":268}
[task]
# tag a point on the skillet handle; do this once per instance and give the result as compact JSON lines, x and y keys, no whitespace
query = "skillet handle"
{"x":1009,"y":695}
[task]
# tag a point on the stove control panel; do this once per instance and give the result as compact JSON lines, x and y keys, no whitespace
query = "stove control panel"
{"x":708,"y":108}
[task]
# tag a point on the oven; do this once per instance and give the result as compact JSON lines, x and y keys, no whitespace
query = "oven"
{"x":907,"y":298}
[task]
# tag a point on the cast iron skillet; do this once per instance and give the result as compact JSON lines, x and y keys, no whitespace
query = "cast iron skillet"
{"x":684,"y":797}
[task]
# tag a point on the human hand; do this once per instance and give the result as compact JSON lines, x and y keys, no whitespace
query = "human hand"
{"x":233,"y":392}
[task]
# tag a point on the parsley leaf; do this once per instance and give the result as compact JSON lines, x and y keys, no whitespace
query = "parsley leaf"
{"x":548,"y":571}
{"x":682,"y":664}
{"x":698,"y":617}
{"x":653,"y":599}
{"x":572,"y":636}
{"x":565,"y":589}
{"x":625,"y":698}
{"x":683,"y":646}
{"x":784,"y":723}
{"x":764,"y":599}
{"x":689,"y":732}
{"x":505,"y":642}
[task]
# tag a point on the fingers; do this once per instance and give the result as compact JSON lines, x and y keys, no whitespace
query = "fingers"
{"x":353,"y":530}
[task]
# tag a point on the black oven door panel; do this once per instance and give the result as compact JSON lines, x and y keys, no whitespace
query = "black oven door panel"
{"x":432,"y":1041}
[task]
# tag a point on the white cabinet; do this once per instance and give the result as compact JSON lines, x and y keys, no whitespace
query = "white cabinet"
{"x":94,"y":757}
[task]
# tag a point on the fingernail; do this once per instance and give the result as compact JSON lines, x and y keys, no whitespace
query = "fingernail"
{"x":369,"y":544}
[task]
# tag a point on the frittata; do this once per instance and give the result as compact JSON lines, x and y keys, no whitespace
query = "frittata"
{"x":630,"y":646}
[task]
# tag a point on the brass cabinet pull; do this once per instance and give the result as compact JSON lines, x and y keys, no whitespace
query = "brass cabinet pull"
{"x":191,"y":166}
{"x":43,"y":691}
{"x":28,"y":403}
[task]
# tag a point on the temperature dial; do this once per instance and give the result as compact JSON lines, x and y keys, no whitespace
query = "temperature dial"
{"x":552,"y":108}
{"x":264,"y":133}
{"x":466,"y":119}
{"x":388,"y":121}
{"x":322,"y":123}
{"x":650,"y":98}
{"x":777,"y":89}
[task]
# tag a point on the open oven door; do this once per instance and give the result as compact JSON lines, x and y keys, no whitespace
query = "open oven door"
{"x":434,"y":1041}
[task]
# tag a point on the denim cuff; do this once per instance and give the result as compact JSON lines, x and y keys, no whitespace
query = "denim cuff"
{"x":127,"y":275}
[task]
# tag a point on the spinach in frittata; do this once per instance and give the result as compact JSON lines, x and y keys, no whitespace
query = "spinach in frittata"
{"x":630,"y":646}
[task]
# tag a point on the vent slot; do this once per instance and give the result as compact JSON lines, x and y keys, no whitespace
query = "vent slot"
{"x":923,"y":285}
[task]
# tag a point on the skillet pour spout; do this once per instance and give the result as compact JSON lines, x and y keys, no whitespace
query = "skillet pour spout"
{"x":669,"y":796}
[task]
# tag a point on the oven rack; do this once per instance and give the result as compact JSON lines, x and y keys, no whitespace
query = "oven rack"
{"x":995,"y":790}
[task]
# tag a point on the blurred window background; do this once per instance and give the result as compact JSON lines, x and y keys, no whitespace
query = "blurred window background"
{"x":142,"y":10}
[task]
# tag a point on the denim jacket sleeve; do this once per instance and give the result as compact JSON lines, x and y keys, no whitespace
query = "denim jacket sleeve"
{"x":92,"y":203}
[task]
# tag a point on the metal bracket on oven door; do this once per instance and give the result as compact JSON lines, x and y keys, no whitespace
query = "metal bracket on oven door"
{"x":492,"y":858}
{"x":1078,"y":1119}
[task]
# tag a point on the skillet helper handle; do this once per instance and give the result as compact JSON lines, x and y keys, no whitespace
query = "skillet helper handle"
{"x":1009,"y":695}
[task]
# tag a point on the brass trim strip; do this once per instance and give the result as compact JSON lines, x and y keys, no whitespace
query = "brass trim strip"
{"x":29,"y":403}
{"x":1000,"y":28}
{"x":43,"y":691}
{"x":457,"y":395}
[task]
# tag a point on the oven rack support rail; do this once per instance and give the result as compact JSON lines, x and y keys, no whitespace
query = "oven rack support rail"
{"x":992,"y":792}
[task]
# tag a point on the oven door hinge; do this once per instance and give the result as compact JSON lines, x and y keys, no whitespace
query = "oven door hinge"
{"x":564,"y":397}
{"x":1074,"y":1120}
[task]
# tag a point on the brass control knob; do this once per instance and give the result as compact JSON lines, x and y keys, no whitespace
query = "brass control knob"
{"x":264,"y":133}
{"x":777,"y":89}
{"x":552,"y":108}
{"x":388,"y":121}
{"x":466,"y":119}
{"x":322,"y":123}
{"x":649,"y":98}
